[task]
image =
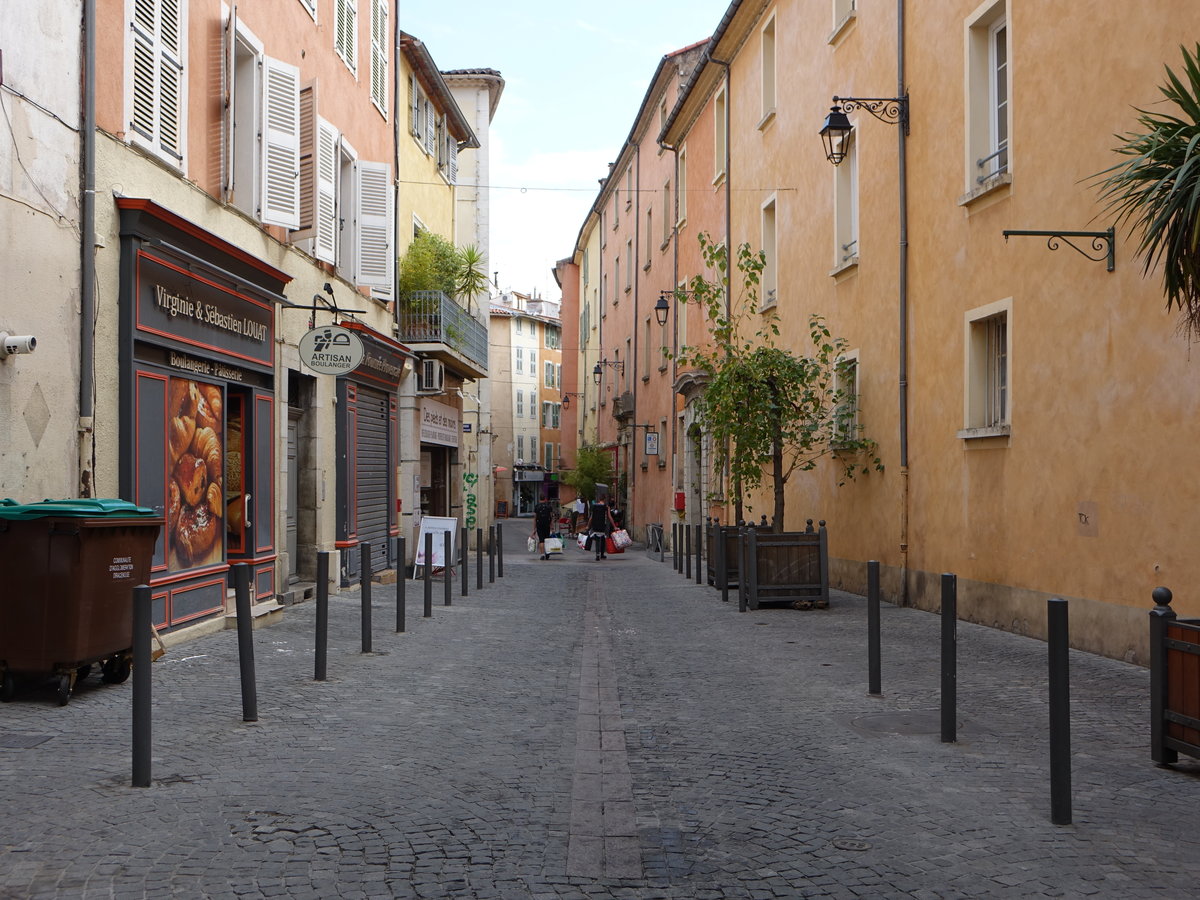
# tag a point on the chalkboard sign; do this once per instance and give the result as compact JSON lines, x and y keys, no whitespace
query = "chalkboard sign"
{"x":501,"y":509}
{"x":437,"y":526}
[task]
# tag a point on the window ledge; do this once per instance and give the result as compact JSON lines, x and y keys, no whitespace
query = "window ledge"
{"x":841,"y":269}
{"x":681,"y":224}
{"x":990,"y":431}
{"x":719,"y":178}
{"x":768,"y":307}
{"x":628,"y":288}
{"x":1001,"y":182}
{"x":646,"y":378}
{"x":767,"y":119}
{"x":664,"y":245}
{"x":663,"y":367}
{"x":843,"y":26}
{"x":662,"y":463}
{"x":646,"y":267}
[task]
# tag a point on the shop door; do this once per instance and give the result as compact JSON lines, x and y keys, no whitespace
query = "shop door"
{"x":371,"y":473}
{"x":293,"y":499}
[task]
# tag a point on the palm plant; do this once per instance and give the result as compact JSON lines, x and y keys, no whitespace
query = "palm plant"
{"x":1156,"y":189}
{"x":471,"y":278}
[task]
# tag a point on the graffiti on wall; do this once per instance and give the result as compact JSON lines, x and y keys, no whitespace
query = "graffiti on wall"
{"x":469,"y":481}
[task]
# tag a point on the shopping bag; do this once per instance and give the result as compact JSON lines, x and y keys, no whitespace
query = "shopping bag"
{"x":582,"y":540}
{"x":531,"y":545}
{"x":621,"y":538}
{"x":611,"y":546}
{"x":554,"y":545}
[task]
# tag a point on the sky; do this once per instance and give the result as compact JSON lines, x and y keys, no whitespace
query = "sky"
{"x":575,"y":74}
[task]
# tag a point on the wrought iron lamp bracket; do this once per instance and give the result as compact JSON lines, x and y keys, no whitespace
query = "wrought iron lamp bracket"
{"x":1103,"y":243}
{"x":892,"y":110}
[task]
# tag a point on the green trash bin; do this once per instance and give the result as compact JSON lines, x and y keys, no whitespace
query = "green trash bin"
{"x":70,"y":567}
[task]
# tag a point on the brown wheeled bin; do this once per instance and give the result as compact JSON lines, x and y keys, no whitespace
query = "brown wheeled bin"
{"x":69,"y":568}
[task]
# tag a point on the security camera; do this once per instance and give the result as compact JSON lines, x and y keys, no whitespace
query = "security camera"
{"x":12,"y":344}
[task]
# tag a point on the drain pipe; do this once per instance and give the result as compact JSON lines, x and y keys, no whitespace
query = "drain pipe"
{"x":87,"y":260}
{"x":903,"y":177}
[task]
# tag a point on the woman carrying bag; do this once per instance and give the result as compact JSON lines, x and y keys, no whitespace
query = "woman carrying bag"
{"x":600,"y":526}
{"x":543,"y":517}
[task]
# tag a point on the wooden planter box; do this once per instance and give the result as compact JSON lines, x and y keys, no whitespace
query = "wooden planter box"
{"x":790,"y":568}
{"x":1174,"y":683}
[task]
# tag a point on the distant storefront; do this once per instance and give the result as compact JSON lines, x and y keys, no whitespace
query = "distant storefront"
{"x":440,"y":433}
{"x":197,"y":406}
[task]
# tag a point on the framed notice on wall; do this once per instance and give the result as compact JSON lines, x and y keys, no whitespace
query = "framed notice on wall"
{"x":437,"y":526}
{"x":652,"y":443}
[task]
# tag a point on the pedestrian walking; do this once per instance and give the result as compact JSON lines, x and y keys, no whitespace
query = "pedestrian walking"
{"x":578,"y":514}
{"x":543,"y":517}
{"x":600,"y":526}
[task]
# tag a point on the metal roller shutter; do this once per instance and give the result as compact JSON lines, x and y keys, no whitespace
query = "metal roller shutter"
{"x":371,"y":473}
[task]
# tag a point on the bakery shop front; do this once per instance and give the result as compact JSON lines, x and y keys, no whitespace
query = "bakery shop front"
{"x":197,"y":406}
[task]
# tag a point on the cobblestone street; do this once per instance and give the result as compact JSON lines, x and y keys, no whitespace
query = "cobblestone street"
{"x":595,"y":729}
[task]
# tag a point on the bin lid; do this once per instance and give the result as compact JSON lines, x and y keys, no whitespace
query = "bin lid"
{"x":78,"y":508}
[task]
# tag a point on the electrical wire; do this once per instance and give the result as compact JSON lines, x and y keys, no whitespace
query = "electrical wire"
{"x":62,"y":219}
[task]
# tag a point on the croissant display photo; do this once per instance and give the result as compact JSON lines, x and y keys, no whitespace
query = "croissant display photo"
{"x":195,"y":490}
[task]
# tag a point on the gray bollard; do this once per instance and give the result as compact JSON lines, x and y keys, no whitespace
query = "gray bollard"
{"x":949,"y":658}
{"x":675,"y":546}
{"x":699,"y":553}
{"x":401,"y":586}
{"x":873,"y":648}
{"x":1161,"y":617}
{"x":743,"y":568}
{"x":479,"y":559}
{"x":491,"y":554}
{"x":1058,"y":642}
{"x":428,"y":575}
{"x":245,"y":629}
{"x":464,"y":560}
{"x":721,"y":569}
{"x":364,"y":581}
{"x":447,"y":567}
{"x":322,"y":648}
{"x":141,"y":685}
{"x":687,"y":552}
{"x":499,"y":550}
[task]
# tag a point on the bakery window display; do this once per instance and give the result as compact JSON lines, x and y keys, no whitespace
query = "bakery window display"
{"x":195,"y":495}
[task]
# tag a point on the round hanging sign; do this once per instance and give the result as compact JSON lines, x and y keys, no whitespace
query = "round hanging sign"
{"x":331,"y":350}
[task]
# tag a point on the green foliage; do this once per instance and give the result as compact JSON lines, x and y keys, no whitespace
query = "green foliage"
{"x":1156,"y":189}
{"x":471,"y":278}
{"x":430,"y":264}
{"x":593,"y":466}
{"x":765,"y":408}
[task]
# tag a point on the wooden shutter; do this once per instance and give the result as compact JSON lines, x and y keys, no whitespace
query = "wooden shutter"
{"x":308,"y":162}
{"x":325,"y":223}
{"x":156,"y":115}
{"x":374,"y":264}
{"x":379,"y":55}
{"x":280,"y":200}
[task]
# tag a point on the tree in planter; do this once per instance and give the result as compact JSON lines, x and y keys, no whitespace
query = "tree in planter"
{"x":471,"y":278}
{"x":766,"y":409}
{"x":593,"y":466}
{"x":1156,"y":189}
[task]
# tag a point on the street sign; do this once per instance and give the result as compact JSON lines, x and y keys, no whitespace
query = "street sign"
{"x":331,"y":350}
{"x":652,"y":443}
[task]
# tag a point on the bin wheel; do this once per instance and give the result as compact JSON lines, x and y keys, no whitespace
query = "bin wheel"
{"x":8,"y":688}
{"x":83,"y":672}
{"x":116,"y":670}
{"x":64,"y":689}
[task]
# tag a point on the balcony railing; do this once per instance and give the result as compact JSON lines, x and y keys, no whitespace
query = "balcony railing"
{"x":430,"y":317}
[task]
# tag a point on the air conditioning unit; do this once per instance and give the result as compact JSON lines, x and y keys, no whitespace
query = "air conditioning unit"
{"x":430,"y":377}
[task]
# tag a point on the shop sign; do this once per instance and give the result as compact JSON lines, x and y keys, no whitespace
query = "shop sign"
{"x":439,"y":424}
{"x":381,"y":364}
{"x":331,"y":350}
{"x":187,"y":308}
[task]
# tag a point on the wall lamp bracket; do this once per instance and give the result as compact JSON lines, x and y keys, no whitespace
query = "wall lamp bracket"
{"x":598,"y":371}
{"x":837,"y":127}
{"x":1103,"y":243}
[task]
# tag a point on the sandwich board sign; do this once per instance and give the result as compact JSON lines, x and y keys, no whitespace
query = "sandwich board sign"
{"x":437,"y":526}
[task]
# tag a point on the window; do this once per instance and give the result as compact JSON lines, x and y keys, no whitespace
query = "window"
{"x":551,"y":337}
{"x":646,"y":348}
{"x":379,"y":56}
{"x":519,"y":331}
{"x":558,"y":374}
{"x":556,"y":417}
{"x":616,"y":207}
{"x":681,"y":187}
{"x":156,"y":54}
{"x":345,"y":33}
{"x":546,"y":414}
{"x":628,"y":265}
{"x":604,"y":295}
{"x":603,"y":236}
{"x":720,"y":136}
{"x":533,"y":404}
{"x":843,"y":11}
{"x":846,"y":426}
{"x":768,"y":71}
{"x":770,"y":274}
{"x":629,"y":188}
{"x":616,"y":277}
{"x":681,"y":317}
{"x":845,"y":206}
{"x":549,"y":456}
{"x":263,"y":128}
{"x":988,"y":111}
{"x":666,"y":216}
{"x":520,"y":404}
{"x":520,"y":448}
{"x":548,"y":374}
{"x":520,"y":352}
{"x":987,"y":404}
{"x":311,"y":7}
{"x":649,"y":236}
{"x":533,"y":362}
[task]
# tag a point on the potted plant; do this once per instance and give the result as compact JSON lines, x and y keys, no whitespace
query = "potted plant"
{"x":770,"y":412}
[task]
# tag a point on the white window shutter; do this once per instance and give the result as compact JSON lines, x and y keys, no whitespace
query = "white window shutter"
{"x":374,"y":265}
{"x":430,"y":127}
{"x":280,"y":200}
{"x":346,"y":32}
{"x":157,"y":112}
{"x":418,"y":117}
{"x":379,"y":55}
{"x":326,"y":218}
{"x":452,"y":156}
